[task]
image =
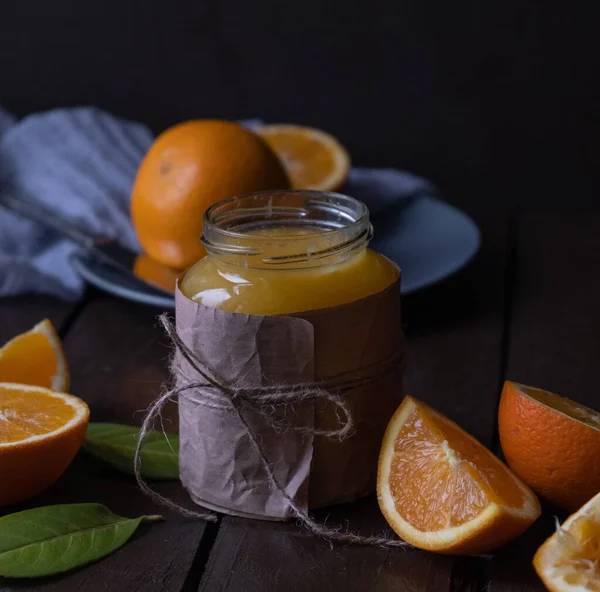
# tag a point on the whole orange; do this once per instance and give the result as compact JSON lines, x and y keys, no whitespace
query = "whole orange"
{"x":552,"y":443}
{"x":188,"y":168}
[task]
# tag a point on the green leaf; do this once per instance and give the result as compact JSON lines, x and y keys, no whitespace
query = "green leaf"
{"x":54,"y":539}
{"x":115,"y":444}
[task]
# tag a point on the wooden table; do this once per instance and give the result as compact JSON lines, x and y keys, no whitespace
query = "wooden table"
{"x":526,"y":309}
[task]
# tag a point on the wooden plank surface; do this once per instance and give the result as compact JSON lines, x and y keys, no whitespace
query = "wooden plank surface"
{"x":18,"y":314}
{"x":455,"y":337}
{"x":117,"y":356}
{"x":554,"y":343}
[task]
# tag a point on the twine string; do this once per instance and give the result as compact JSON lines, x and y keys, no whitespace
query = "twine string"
{"x":261,"y":400}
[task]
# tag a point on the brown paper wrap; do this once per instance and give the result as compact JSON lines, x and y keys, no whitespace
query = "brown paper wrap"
{"x":220,"y":466}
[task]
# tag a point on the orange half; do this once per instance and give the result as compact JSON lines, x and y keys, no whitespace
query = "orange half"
{"x":441,"y":490}
{"x":313,"y":159}
{"x":552,"y":443}
{"x":40,"y":433}
{"x":35,"y":358}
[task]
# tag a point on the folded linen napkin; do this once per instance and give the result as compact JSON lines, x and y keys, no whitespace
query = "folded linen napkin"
{"x":82,"y":162}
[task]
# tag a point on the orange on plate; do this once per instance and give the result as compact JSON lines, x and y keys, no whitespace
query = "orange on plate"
{"x":36,"y":358}
{"x":552,"y":443}
{"x":441,"y":490}
{"x":40,"y":434}
{"x":188,"y":168}
{"x":569,"y":561}
{"x":312,"y":158}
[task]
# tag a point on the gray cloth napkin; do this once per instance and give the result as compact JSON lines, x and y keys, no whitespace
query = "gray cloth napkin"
{"x":82,"y":162}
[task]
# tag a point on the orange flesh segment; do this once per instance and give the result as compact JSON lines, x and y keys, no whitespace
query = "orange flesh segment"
{"x":308,"y":161}
{"x":572,"y":554}
{"x":312,"y":158}
{"x":441,"y":477}
{"x":29,"y":359}
{"x":24,"y":414}
{"x":581,"y":553}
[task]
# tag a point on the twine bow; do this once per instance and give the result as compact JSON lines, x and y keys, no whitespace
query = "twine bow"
{"x":261,"y":400}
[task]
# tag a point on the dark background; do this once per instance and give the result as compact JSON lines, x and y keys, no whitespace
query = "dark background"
{"x":496,"y":102}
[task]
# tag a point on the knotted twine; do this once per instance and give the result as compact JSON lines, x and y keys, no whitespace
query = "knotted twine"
{"x":262,"y":401}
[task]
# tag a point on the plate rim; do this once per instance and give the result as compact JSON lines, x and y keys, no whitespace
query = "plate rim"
{"x":88,"y":273}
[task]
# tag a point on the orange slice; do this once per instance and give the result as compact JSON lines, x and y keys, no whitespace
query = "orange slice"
{"x":441,"y":490}
{"x":552,"y":443}
{"x":40,"y":433}
{"x":569,"y":561}
{"x":37,"y":358}
{"x":155,"y":273}
{"x":312,"y":158}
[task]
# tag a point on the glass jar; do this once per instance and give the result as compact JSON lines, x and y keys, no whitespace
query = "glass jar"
{"x":284,"y":252}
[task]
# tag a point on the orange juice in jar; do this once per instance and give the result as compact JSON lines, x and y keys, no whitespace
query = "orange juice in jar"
{"x":285,"y":252}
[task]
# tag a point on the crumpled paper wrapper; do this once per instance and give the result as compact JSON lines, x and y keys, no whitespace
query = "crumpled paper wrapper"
{"x":219,"y":464}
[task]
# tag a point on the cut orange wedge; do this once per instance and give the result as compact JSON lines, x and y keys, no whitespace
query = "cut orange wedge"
{"x":312,"y":158}
{"x":441,"y":490}
{"x":40,"y":433}
{"x":569,"y":561}
{"x":36,"y":358}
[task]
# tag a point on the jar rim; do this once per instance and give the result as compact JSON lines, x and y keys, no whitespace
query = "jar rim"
{"x":364,"y":212}
{"x":341,"y":226}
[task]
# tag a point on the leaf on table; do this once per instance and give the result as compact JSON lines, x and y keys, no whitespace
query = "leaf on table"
{"x":116,"y":444}
{"x":54,"y":539}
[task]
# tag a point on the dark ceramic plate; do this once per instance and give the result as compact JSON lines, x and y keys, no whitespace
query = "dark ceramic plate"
{"x":428,"y":238}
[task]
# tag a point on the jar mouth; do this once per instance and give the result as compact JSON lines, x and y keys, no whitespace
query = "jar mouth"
{"x":255,"y":226}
